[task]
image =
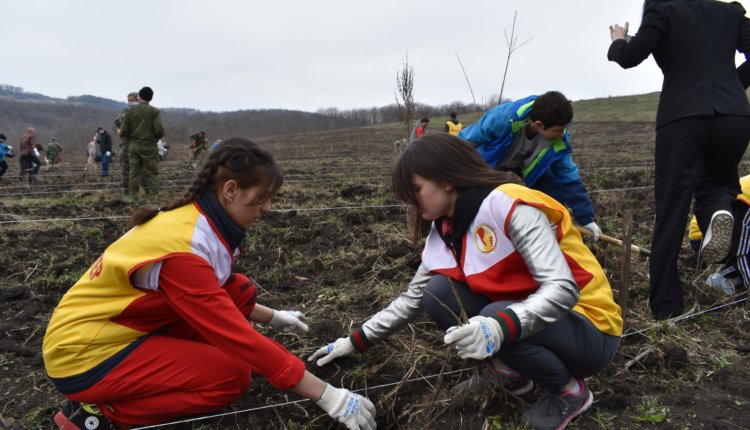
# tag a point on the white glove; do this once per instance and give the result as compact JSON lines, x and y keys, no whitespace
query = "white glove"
{"x":478,"y":339}
{"x":283,"y":319}
{"x":108,"y":153}
{"x":595,"y":230}
{"x":341,"y":348}
{"x":355,"y":411}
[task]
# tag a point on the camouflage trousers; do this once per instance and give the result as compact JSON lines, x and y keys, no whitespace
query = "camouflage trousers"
{"x":125,"y":165}
{"x":144,"y":169}
{"x":197,"y":156}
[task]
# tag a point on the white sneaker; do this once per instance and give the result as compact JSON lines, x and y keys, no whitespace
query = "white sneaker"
{"x":717,"y":242}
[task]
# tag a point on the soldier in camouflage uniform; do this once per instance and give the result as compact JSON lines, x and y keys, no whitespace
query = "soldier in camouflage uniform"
{"x":53,"y":152}
{"x":142,"y":127}
{"x":124,"y":159}
{"x":198,"y":144}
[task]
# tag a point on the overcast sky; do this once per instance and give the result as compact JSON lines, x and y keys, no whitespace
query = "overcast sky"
{"x":227,"y":55}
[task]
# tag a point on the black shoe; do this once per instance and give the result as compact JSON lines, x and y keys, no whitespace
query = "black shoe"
{"x":81,"y":416}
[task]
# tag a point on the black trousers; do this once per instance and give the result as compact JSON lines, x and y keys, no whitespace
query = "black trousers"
{"x":572,"y":346}
{"x":695,"y":155}
{"x":29,"y":164}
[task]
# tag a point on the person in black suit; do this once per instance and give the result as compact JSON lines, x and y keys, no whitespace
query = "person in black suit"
{"x":702,"y":127}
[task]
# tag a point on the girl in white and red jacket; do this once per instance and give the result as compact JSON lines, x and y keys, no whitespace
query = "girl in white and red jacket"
{"x":539,"y":306}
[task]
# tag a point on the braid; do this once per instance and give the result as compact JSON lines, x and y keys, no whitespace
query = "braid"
{"x":236,"y":158}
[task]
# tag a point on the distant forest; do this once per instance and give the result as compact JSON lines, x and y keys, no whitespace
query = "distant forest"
{"x":72,"y":121}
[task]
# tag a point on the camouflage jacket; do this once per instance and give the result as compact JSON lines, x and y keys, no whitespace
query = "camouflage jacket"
{"x":142,"y":124}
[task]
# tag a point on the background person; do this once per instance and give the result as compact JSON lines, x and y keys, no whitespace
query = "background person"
{"x":162,"y":149}
{"x":157,"y":328}
{"x":540,"y":306}
{"x":734,"y":273}
{"x":105,"y":150}
{"x":29,"y":155}
{"x":142,"y":127}
{"x":5,"y":152}
{"x":702,"y":127}
{"x":124,"y":158}
{"x":419,"y":130}
{"x":452,"y":126}
{"x":54,"y":152}
{"x":198,"y":145}
{"x":91,"y":154}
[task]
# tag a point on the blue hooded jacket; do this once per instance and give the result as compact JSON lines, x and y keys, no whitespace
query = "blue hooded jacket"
{"x":553,"y":171}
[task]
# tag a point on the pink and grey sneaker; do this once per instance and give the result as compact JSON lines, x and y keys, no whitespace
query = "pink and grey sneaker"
{"x":555,"y":411}
{"x":490,"y":380}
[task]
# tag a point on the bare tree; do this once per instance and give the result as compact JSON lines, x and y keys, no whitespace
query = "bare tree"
{"x":405,"y":93}
{"x":513,"y":45}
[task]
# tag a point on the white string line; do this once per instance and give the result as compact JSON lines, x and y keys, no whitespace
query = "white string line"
{"x":32,"y":193}
{"x":113,"y":217}
{"x":376,"y":387}
{"x":683,"y":317}
{"x":613,"y":190}
{"x":117,"y":172}
{"x":35,"y":193}
{"x":389,"y":384}
{"x":114,"y":184}
{"x":322,"y":177}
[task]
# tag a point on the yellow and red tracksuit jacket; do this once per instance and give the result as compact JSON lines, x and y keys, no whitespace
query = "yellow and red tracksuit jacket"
{"x":103,"y":317}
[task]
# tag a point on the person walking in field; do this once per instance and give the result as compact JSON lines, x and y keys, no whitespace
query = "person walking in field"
{"x":124,"y":158}
{"x":5,"y":152}
{"x":54,"y":152}
{"x":91,"y":154}
{"x":142,"y":128}
{"x":198,"y":145}
{"x":105,"y":150}
{"x":540,"y":306}
{"x":162,"y":327}
{"x":530,"y":138}
{"x":419,"y":130}
{"x":162,"y":148}
{"x":702,"y":127}
{"x":453,"y":126}
{"x":29,"y":159}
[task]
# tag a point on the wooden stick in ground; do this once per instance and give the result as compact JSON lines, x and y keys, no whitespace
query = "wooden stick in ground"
{"x":625,"y":263}
{"x":614,"y":241}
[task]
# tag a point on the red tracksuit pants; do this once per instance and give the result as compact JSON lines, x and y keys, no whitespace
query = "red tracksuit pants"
{"x":173,"y":375}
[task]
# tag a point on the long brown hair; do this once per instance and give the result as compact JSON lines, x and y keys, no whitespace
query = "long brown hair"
{"x":235,"y":159}
{"x":448,"y":160}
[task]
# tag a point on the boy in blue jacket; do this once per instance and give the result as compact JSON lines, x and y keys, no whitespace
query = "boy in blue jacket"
{"x":530,"y":137}
{"x":5,"y":151}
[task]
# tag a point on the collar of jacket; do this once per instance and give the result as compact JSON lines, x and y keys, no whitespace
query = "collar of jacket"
{"x":467,"y":206}
{"x":228,"y":229}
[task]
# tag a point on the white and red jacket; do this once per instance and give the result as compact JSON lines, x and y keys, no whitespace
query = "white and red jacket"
{"x":497,"y":247}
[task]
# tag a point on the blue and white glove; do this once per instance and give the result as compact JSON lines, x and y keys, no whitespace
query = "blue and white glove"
{"x":353,"y":410}
{"x":341,"y":348}
{"x":479,"y":339}
{"x":288,"y":319}
{"x":596,"y":232}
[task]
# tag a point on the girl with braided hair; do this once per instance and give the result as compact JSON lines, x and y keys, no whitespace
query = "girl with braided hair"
{"x":159,"y":327}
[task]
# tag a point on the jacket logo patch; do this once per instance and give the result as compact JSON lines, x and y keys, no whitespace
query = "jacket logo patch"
{"x":96,"y":269}
{"x":485,"y":238}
